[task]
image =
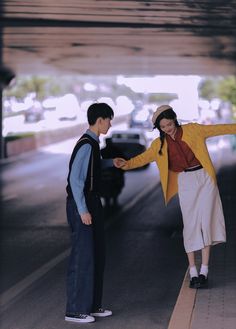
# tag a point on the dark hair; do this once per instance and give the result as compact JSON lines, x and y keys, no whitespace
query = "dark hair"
{"x":167,"y":114}
{"x":99,"y":110}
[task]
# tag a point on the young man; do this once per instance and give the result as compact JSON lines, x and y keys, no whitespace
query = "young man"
{"x":85,"y":218}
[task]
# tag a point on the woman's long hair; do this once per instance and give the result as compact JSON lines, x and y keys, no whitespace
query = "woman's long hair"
{"x":167,"y":114}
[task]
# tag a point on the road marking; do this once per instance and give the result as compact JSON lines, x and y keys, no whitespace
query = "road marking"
{"x":10,"y":197}
{"x":15,"y":290}
{"x":183,"y":311}
{"x":135,"y":200}
{"x":19,"y":287}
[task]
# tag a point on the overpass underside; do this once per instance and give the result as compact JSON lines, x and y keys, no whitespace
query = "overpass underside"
{"x":119,"y":37}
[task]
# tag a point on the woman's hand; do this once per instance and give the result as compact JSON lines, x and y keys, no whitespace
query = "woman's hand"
{"x":119,"y":162}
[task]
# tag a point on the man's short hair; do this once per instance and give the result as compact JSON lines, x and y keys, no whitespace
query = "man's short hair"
{"x":99,"y":110}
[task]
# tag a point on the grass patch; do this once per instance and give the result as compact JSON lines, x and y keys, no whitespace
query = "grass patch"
{"x":14,"y":137}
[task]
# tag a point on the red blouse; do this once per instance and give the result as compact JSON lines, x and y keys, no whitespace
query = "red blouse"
{"x":180,"y":156}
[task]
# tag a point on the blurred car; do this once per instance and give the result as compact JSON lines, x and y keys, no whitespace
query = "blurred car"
{"x":112,"y":182}
{"x":126,"y":144}
{"x":141,"y":118}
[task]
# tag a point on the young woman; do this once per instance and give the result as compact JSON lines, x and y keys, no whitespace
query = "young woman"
{"x":186,"y":168}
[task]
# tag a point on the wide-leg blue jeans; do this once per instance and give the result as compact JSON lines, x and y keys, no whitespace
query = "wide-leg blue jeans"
{"x":87,"y":258}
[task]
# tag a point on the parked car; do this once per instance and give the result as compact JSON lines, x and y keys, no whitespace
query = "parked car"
{"x":128,"y":143}
{"x":112,"y":182}
{"x":141,"y":117}
{"x":124,"y":144}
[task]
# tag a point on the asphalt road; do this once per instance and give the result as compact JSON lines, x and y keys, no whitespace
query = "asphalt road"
{"x":145,"y":265}
{"x":141,"y":251}
{"x":142,"y":277}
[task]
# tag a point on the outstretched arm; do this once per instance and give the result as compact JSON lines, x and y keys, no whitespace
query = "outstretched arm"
{"x":217,"y":130}
{"x":138,"y":161}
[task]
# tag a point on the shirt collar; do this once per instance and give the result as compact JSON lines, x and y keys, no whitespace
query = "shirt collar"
{"x":178,"y":135}
{"x":93,"y":135}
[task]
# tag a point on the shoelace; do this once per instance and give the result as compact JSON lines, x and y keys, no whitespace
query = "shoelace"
{"x":82,"y":316}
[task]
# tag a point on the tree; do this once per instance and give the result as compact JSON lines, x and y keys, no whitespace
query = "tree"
{"x":227,"y":89}
{"x":208,"y":88}
{"x":223,"y":88}
{"x":40,"y":85}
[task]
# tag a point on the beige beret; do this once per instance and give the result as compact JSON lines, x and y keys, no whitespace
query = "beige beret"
{"x":159,"y":110}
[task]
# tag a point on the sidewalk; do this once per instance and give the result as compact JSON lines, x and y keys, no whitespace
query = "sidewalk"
{"x":215,"y":307}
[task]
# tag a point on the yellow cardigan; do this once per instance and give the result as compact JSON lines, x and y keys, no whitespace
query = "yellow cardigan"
{"x":194,"y":135}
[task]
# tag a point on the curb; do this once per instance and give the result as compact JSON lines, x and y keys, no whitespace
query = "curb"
{"x":182,"y":314}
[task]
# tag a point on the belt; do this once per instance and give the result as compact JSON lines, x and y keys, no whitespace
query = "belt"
{"x":193,"y":168}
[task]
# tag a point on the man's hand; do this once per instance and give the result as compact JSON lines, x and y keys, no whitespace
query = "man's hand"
{"x":86,"y":218}
{"x":119,"y":162}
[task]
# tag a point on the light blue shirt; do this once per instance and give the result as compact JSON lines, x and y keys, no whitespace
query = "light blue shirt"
{"x":79,"y":171}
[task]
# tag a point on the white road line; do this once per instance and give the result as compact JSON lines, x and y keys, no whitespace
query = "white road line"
{"x":19,"y":287}
{"x":9,"y":197}
{"x":135,"y":200}
{"x":15,"y":290}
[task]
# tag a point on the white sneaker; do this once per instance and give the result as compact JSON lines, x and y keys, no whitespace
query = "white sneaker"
{"x":101,"y":313}
{"x":81,"y":318}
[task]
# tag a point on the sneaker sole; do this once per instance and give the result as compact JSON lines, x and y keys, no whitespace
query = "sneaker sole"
{"x":100,"y":315}
{"x":78,"y":320}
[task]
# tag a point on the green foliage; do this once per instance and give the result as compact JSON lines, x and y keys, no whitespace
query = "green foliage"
{"x":208,"y":89}
{"x":222,"y":88}
{"x":162,"y":97}
{"x":227,"y":89}
{"x":42,"y":87}
{"x":14,"y":137}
